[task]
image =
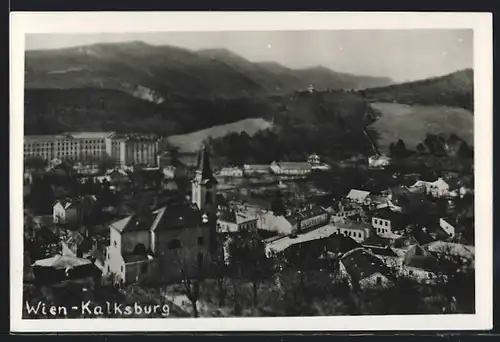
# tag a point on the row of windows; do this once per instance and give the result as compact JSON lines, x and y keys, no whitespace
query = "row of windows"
{"x":352,"y":233}
{"x":382,"y":230}
{"x":381,"y":222}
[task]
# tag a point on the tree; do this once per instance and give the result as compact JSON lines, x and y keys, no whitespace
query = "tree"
{"x":420,"y":148}
{"x":105,"y":163}
{"x":278,"y":205}
{"x":35,"y":162}
{"x":191,"y":279}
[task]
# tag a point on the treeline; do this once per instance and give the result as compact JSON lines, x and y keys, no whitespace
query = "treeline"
{"x":331,"y":124}
{"x":454,"y":90}
{"x":435,"y":145}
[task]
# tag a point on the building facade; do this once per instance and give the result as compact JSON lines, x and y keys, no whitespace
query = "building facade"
{"x":291,"y":168}
{"x":125,"y":149}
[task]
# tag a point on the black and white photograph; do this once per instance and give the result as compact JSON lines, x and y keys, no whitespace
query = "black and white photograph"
{"x":295,"y":175}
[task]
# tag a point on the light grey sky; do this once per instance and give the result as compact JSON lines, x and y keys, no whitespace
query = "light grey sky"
{"x":403,"y":55}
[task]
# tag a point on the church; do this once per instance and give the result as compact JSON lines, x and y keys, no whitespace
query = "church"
{"x":169,"y":243}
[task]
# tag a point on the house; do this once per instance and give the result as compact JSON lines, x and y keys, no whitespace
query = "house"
{"x":234,"y":221}
{"x":378,"y":161}
{"x":386,"y":221}
{"x":62,"y":268}
{"x":364,"y":271}
{"x":307,"y":217}
{"x":382,"y":248}
{"x":448,"y":225}
{"x":348,"y":209}
{"x":174,"y":241}
{"x":358,"y":231}
{"x":420,"y":265}
{"x":322,"y":253}
{"x":230,"y":172}
{"x":452,"y":251}
{"x":314,"y":159}
{"x":290,"y":168}
{"x":64,"y":211}
{"x":250,"y":170}
{"x":357,"y":196}
{"x":438,"y":188}
{"x":277,"y":245}
{"x":168,"y":171}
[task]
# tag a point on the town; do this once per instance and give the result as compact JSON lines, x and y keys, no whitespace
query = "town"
{"x":113,"y":216}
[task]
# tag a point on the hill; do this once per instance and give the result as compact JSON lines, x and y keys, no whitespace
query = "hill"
{"x":158,"y":73}
{"x":58,"y":110}
{"x":191,"y":142}
{"x":455,"y":89}
{"x":413,"y":123}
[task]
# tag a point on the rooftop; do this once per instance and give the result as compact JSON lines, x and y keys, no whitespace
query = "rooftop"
{"x":279,"y":245}
{"x":451,"y":248}
{"x":357,"y":195}
{"x":235,"y":216}
{"x":62,"y":262}
{"x":376,"y":241}
{"x":360,"y":264}
{"x":86,"y":135}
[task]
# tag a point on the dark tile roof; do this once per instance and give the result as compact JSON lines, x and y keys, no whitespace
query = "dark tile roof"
{"x":382,"y":251}
{"x":360,"y":264}
{"x":376,"y":241}
{"x":397,"y":218}
{"x":305,"y":213}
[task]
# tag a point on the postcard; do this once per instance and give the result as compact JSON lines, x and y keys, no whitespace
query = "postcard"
{"x":274,"y":171}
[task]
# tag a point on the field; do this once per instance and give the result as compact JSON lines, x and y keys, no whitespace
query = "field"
{"x":412,"y":123}
{"x":188,"y":143}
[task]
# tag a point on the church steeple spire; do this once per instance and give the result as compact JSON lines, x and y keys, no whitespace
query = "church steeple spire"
{"x":204,"y":185}
{"x":204,"y":171}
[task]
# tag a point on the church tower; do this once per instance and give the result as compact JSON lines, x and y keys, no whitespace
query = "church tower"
{"x":204,"y":195}
{"x":204,"y":184}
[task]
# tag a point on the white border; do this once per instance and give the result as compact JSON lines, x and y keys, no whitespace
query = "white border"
{"x":65,"y":22}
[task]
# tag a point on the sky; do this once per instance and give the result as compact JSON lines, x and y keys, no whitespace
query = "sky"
{"x":403,"y":55}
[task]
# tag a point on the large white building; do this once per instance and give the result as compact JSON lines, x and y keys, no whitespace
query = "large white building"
{"x":125,"y":149}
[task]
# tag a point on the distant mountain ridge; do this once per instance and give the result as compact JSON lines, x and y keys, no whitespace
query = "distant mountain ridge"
{"x":161,"y":72}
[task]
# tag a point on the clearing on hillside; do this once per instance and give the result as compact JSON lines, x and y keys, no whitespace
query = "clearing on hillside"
{"x":191,"y":142}
{"x":412,"y":123}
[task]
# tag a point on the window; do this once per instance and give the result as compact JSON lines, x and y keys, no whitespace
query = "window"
{"x":108,"y":256}
{"x":114,"y":243}
{"x":174,"y":244}
{"x":108,"y":269}
{"x":375,"y":221}
{"x":144,"y":268}
{"x":121,"y":268}
{"x":379,"y":281}
{"x":410,"y":272}
{"x":200,"y":240}
{"x":386,"y":223}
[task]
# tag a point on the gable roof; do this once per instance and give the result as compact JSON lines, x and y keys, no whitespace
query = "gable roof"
{"x":360,"y":264}
{"x":418,"y":257}
{"x":451,"y":248}
{"x":62,"y":262}
{"x":397,"y":218}
{"x":279,"y":245}
{"x":357,"y":195}
{"x":177,"y":215}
